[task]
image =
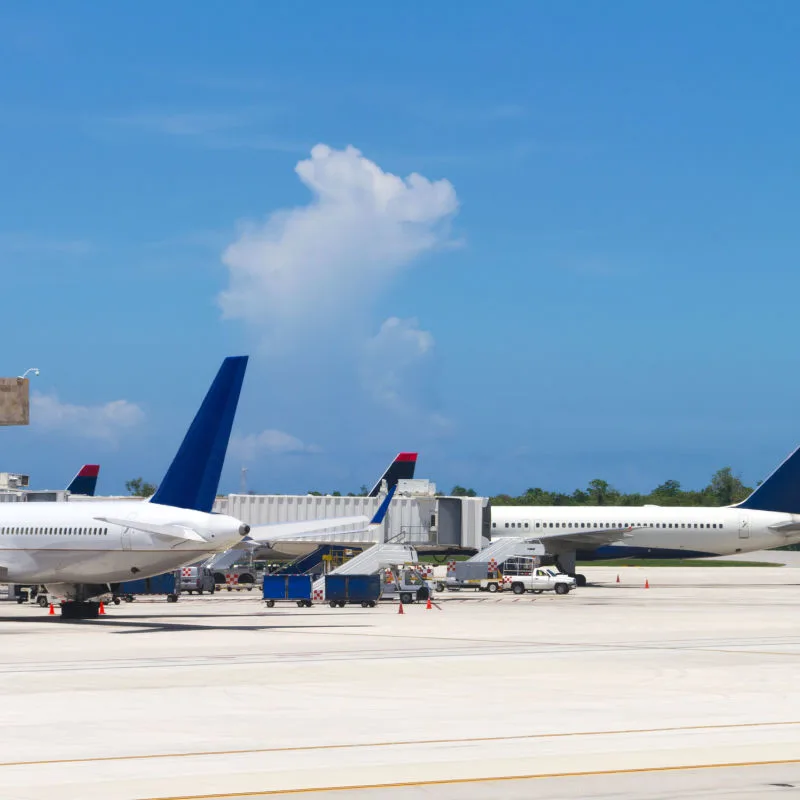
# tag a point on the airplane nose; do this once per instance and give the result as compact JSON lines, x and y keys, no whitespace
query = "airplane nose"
{"x":244,"y":529}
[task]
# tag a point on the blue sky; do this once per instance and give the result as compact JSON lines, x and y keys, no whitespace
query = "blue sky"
{"x":594,"y":275}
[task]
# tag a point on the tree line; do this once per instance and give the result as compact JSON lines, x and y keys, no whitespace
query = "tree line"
{"x":725,"y":488}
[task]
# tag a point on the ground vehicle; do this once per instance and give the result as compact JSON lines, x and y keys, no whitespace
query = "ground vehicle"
{"x":235,"y":578}
{"x":195,"y":579}
{"x":405,"y":583}
{"x":166,"y":584}
{"x":542,"y":579}
{"x":287,"y":587}
{"x":343,"y":589}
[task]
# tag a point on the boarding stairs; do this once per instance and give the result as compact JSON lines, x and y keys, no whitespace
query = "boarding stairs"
{"x":372,"y":560}
{"x":311,"y":561}
{"x":507,"y":547}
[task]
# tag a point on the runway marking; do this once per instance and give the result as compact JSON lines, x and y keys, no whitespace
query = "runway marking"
{"x":496,"y":779}
{"x":401,"y":743}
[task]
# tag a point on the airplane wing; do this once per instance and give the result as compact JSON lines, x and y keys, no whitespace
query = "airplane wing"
{"x":318,"y":528}
{"x":177,"y":532}
{"x":584,"y":539}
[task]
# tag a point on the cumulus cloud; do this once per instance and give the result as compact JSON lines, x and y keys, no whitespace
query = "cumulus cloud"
{"x":399,"y":370}
{"x":309,"y":266}
{"x":268,"y":442}
{"x":104,"y":422}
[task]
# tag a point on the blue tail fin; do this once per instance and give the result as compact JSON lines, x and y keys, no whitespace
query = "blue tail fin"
{"x":780,"y":491}
{"x":85,"y":481}
{"x":193,"y":477}
{"x":383,"y":508}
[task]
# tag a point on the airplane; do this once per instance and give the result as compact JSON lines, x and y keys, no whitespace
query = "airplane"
{"x":78,"y":549}
{"x":768,"y":518}
{"x":85,"y":482}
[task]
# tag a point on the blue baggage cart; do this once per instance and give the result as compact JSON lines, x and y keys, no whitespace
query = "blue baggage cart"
{"x":158,"y":584}
{"x":288,"y":587}
{"x":343,"y":589}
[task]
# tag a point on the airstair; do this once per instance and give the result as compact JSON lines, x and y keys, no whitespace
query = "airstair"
{"x":508,"y":547}
{"x":310,"y":561}
{"x":370,"y":561}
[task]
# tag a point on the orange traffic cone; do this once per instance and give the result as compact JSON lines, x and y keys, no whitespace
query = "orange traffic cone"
{"x":429,"y":606}
{"x":102,"y":609}
{"x":646,"y":583}
{"x":52,"y":611}
{"x":400,"y":610}
{"x":617,"y":578}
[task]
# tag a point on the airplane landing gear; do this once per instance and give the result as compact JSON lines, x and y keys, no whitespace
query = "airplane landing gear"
{"x":580,"y":580}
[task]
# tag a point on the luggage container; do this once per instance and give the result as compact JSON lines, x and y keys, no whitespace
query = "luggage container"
{"x":158,"y":584}
{"x":343,"y":589}
{"x":288,"y":587}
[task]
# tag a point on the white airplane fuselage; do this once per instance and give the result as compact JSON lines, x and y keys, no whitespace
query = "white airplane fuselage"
{"x":655,"y":531}
{"x":69,"y":543}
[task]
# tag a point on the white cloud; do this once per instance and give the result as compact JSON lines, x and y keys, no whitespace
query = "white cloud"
{"x":105,"y":422}
{"x":308,"y":267}
{"x":268,"y":442}
{"x":399,"y":370}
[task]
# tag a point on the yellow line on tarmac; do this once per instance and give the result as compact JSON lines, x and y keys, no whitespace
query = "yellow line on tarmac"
{"x":498,"y":779}
{"x":400,"y":743}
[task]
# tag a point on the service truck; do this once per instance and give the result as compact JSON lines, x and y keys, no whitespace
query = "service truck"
{"x":541,"y":579}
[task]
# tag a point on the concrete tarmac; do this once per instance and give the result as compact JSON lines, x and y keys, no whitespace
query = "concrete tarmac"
{"x":685,"y":689}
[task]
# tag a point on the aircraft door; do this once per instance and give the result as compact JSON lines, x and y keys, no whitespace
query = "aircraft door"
{"x":744,"y":527}
{"x":126,"y":538}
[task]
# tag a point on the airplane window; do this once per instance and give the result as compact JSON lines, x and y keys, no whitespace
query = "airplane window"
{"x":713,"y":526}
{"x":506,"y":524}
{"x":537,"y":524}
{"x":513,"y":525}
{"x":683,"y":525}
{"x":526,"y":524}
{"x":494,"y":524}
{"x":551,"y":524}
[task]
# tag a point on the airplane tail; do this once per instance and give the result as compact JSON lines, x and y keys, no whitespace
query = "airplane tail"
{"x":380,"y":514}
{"x":85,"y":481}
{"x":780,"y":491}
{"x":402,"y":468}
{"x":193,"y":476}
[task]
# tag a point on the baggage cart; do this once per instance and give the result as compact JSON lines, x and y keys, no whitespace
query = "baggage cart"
{"x":343,"y":589}
{"x":158,"y":584}
{"x":296,"y":588}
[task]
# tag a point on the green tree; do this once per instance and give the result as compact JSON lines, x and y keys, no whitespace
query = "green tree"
{"x":601,"y":494}
{"x":727,"y":488}
{"x":140,"y":488}
{"x":460,"y":491}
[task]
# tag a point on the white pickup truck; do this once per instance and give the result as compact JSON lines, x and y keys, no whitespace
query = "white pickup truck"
{"x":542,"y":579}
